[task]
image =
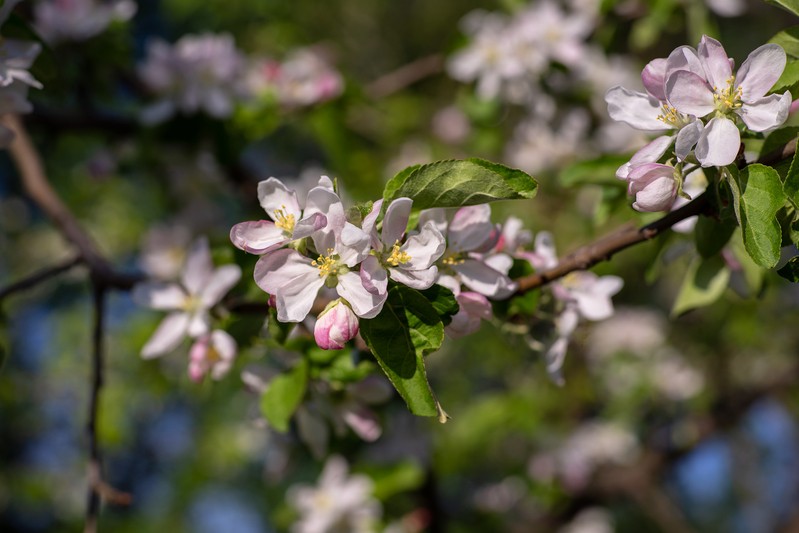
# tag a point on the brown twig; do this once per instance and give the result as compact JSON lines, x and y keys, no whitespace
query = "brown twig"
{"x":404,"y":76}
{"x":38,"y":277}
{"x":34,"y":180}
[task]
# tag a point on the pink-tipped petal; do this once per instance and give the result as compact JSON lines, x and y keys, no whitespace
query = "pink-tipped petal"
{"x":274,"y":195}
{"x":715,"y":62}
{"x":396,"y":220}
{"x":654,"y":78}
{"x":689,"y":93}
{"x":364,"y":303}
{"x":416,"y":279}
{"x":470,"y":228}
{"x":425,"y":247}
{"x":373,"y":276}
{"x":257,"y":237}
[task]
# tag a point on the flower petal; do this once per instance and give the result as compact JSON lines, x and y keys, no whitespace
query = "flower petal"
{"x":715,"y":61}
{"x":277,"y":268}
{"x":369,"y":225}
{"x":257,"y":237}
{"x":654,"y":78}
{"x":760,"y":71}
{"x":353,"y":246}
{"x":167,"y":336}
{"x":684,"y":58}
{"x":198,"y":268}
{"x":323,"y":200}
{"x":296,"y":297}
{"x":687,"y":138}
{"x":273,"y":195}
{"x":635,"y":109}
{"x":767,"y":113}
{"x":648,"y":154}
{"x":689,"y":93}
{"x":416,"y":279}
{"x":719,"y":143}
{"x":159,"y":295}
{"x":373,"y":276}
{"x":483,"y":279}
{"x":222,"y":280}
{"x":308,"y":225}
{"x":471,"y":228}
{"x":424,"y":247}
{"x":396,"y":220}
{"x":364,"y":303}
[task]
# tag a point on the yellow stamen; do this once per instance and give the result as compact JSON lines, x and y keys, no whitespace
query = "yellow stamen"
{"x":671,"y":116}
{"x":283,"y":220}
{"x":326,"y":264}
{"x":453,"y":260}
{"x":397,"y":257}
{"x":728,"y":99}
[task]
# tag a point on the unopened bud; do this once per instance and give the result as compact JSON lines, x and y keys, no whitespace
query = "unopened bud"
{"x":335,"y":326}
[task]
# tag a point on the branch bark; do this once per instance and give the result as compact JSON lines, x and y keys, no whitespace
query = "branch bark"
{"x":38,"y":277}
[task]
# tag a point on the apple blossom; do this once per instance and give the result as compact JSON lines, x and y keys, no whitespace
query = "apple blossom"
{"x":78,"y":20}
{"x":726,"y":97}
{"x":201,"y":287}
{"x":304,"y":78}
{"x":411,"y":262}
{"x":288,"y":222}
{"x":654,"y":186}
{"x":335,"y":326}
{"x":339,"y":502}
{"x":471,"y":236}
{"x":213,"y":352}
{"x":295,"y":279}
{"x":198,"y":73}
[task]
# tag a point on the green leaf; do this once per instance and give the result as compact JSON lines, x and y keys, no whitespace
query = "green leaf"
{"x":711,"y":235}
{"x":777,"y":140}
{"x":393,"y":479}
{"x":790,"y":185}
{"x":443,"y":301}
{"x":407,"y":329}
{"x":757,"y":196}
{"x":600,"y":171}
{"x":788,"y":38}
{"x":284,"y":395}
{"x":791,"y":270}
{"x":456,"y":183}
{"x":704,"y":283}
{"x":278,"y":331}
{"x":753,"y":273}
{"x":789,"y":80}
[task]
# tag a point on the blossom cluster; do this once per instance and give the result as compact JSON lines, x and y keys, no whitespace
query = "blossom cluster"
{"x":16,"y":58}
{"x":208,"y":73}
{"x":700,"y":105}
{"x":60,"y":21}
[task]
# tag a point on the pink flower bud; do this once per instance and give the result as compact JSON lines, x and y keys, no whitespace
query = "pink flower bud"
{"x":335,"y":326}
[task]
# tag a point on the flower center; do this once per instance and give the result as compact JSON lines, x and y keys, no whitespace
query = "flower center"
{"x":283,"y":220}
{"x":192,"y":304}
{"x":327,"y":264}
{"x":729,"y":98}
{"x":672,"y":117}
{"x":397,"y":257}
{"x":454,"y":259}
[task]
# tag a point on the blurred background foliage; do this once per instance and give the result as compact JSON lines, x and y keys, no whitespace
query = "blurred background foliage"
{"x":663,"y":424}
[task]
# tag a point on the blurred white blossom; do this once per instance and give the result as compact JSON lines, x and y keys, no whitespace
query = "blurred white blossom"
{"x":78,"y":20}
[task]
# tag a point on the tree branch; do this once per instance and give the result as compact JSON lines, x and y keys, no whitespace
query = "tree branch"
{"x":38,"y":277}
{"x":34,"y":180}
{"x":404,"y":76}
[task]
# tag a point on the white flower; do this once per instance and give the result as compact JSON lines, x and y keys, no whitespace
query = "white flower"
{"x":198,"y":73}
{"x":338,"y":502}
{"x":305,"y":78}
{"x":202,"y":286}
{"x":411,"y":260}
{"x":78,"y":20}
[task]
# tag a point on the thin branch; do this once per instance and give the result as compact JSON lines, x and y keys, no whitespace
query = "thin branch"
{"x":31,"y":170}
{"x":38,"y":277}
{"x":603,"y":249}
{"x":404,"y":76}
{"x":98,"y":489}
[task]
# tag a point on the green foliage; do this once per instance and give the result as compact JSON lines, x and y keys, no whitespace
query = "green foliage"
{"x":443,"y":301}
{"x":704,"y":283}
{"x":601,"y":170}
{"x":284,"y":395}
{"x":711,"y":235}
{"x":791,"y":6}
{"x":791,"y":270}
{"x":408,"y":328}
{"x":457,"y":183}
{"x":789,"y":80}
{"x":390,"y":480}
{"x":790,"y":184}
{"x":757,"y":196}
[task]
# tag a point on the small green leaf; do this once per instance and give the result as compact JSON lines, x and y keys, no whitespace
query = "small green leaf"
{"x":791,"y":270}
{"x":443,"y":301}
{"x":788,"y":38}
{"x":457,"y":183}
{"x":407,"y":329}
{"x":704,"y":283}
{"x":790,"y":184}
{"x":753,"y":273}
{"x":284,"y":395}
{"x":777,"y":139}
{"x":757,"y":196}
{"x":600,"y":171}
{"x":711,"y":235}
{"x":278,"y":331}
{"x":789,"y":80}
